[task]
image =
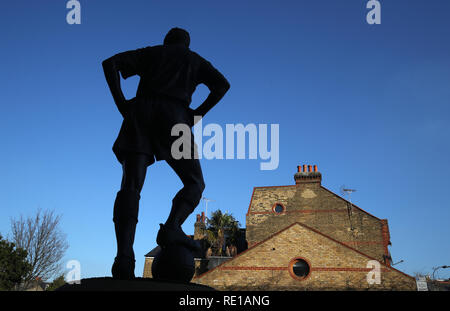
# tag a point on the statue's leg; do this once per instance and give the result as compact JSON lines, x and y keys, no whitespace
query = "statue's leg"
{"x":126,"y":208}
{"x":187,"y":199}
{"x":184,"y":202}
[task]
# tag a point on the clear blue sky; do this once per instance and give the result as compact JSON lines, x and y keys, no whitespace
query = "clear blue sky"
{"x":369,"y":104}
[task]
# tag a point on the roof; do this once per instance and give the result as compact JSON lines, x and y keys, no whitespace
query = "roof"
{"x":153,"y":252}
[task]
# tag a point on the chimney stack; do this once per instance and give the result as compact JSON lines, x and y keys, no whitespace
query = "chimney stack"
{"x":199,"y":226}
{"x":309,"y":174}
{"x":203,"y":217}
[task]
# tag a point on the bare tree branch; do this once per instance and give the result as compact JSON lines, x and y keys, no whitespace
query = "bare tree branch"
{"x":45,"y":243}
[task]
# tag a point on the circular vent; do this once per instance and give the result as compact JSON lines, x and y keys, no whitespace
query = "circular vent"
{"x":299,"y":268}
{"x":278,"y":208}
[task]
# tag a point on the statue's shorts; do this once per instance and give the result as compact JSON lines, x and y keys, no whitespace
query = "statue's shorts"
{"x":148,"y":125}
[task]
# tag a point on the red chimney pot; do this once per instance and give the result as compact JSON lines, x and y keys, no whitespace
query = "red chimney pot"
{"x":203,"y":217}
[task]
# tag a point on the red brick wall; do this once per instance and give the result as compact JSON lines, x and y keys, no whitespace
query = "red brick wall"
{"x":333,"y":266}
{"x":317,"y":207}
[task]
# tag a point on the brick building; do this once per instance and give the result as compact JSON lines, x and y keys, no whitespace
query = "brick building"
{"x":305,"y":237}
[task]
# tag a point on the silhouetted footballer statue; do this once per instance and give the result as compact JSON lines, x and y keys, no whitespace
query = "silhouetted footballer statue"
{"x":169,"y":74}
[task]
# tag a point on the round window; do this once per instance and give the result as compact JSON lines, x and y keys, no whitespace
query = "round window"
{"x":278,"y":208}
{"x":299,"y":268}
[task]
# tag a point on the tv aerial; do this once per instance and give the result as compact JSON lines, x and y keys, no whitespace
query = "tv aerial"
{"x":346,"y":191}
{"x":206,"y":200}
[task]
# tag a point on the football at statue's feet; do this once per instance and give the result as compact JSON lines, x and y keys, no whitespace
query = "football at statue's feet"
{"x":174,"y":263}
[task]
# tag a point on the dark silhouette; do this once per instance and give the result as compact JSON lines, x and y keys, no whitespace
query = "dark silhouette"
{"x":169,"y":74}
{"x":174,"y":263}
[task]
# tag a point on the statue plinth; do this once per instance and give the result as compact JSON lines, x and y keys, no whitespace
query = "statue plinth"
{"x":137,"y":284}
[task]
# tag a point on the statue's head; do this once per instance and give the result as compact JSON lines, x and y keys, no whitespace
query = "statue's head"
{"x":177,"y":36}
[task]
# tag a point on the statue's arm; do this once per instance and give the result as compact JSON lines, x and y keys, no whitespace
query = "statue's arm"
{"x":112,"y":75}
{"x":218,"y":86}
